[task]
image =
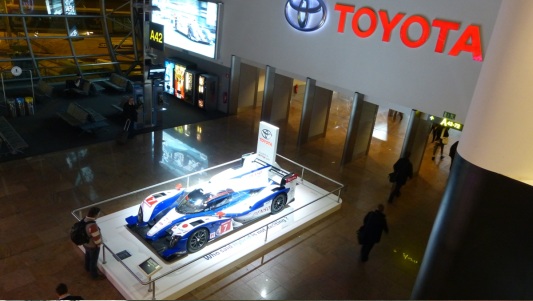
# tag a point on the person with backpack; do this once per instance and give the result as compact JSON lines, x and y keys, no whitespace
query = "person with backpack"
{"x":374,"y":224}
{"x":92,"y":247}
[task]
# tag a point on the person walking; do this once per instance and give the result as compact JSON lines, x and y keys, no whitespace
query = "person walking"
{"x":399,"y":114}
{"x":453,"y":151}
{"x":442,"y":140}
{"x":436,"y":130}
{"x":92,"y":248}
{"x":374,"y":224}
{"x":403,"y":169}
{"x":129,"y":111}
{"x":63,"y":294}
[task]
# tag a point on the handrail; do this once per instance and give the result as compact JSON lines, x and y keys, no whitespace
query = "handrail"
{"x":237,"y":239}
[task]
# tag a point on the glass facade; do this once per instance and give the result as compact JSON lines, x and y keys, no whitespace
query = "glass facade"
{"x":57,"y":39}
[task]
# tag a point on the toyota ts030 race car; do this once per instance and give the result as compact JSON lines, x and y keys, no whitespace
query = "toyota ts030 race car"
{"x":184,"y":220}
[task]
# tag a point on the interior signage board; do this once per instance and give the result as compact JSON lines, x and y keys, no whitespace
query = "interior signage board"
{"x":149,"y":267}
{"x":311,"y":15}
{"x":156,"y":38}
{"x":445,"y":122}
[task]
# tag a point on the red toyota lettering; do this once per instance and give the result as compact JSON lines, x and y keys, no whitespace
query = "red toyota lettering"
{"x":373,"y":22}
{"x":469,"y":40}
{"x":445,"y":27}
{"x":404,"y":31}
{"x":388,"y":26}
{"x":344,"y":10}
{"x":473,"y":35}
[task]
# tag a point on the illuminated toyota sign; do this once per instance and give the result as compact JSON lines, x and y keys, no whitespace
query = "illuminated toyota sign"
{"x":310,"y":15}
{"x":306,"y":15}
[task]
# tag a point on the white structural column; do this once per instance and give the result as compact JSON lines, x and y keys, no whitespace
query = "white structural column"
{"x":480,"y":246}
{"x":499,"y":125}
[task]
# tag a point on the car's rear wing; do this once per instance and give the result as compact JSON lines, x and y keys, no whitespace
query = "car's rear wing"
{"x":280,"y":176}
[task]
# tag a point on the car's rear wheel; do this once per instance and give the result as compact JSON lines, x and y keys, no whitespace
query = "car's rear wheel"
{"x":197,"y":240}
{"x":278,"y":203}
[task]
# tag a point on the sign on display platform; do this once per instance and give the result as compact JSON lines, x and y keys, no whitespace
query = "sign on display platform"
{"x":267,"y":142}
{"x":149,"y":267}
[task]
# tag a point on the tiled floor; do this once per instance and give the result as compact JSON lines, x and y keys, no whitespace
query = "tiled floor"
{"x":37,"y":195}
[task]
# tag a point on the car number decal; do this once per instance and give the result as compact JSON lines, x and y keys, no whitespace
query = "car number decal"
{"x":224,"y":227}
{"x":150,"y":201}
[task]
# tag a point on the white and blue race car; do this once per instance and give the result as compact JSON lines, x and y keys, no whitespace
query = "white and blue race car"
{"x":180,"y":221}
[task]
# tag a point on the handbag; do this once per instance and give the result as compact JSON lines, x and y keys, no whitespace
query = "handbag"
{"x":122,"y":137}
{"x":392,"y":177}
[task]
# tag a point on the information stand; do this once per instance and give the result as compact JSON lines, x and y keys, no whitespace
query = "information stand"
{"x":149,"y":267}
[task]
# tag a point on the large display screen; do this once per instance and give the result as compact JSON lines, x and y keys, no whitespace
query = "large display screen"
{"x":190,"y":25}
{"x":61,"y":7}
{"x":156,"y":72}
{"x":52,"y":7}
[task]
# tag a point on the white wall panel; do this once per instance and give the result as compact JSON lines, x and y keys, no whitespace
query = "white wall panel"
{"x":418,"y":78}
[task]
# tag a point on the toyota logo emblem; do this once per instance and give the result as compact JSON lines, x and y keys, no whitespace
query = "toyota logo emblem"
{"x":306,"y":15}
{"x":266,"y":134}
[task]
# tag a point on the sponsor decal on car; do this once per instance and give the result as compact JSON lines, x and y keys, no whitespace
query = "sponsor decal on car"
{"x":262,"y":210}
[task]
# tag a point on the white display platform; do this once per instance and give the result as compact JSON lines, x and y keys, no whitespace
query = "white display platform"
{"x":216,"y":258}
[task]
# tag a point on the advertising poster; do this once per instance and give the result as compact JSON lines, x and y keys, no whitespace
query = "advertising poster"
{"x":179,"y":81}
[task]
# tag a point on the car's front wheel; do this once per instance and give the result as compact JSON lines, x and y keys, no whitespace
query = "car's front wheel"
{"x":278,"y":203}
{"x":197,"y":240}
{"x":140,"y":216}
{"x":173,"y":241}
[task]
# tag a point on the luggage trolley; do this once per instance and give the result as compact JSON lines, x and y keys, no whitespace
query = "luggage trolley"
{"x":22,"y":105}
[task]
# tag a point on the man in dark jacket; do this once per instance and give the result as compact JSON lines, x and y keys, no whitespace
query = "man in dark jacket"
{"x":373,"y":225}
{"x":453,"y":151}
{"x":403,"y":169}
{"x":129,"y":111}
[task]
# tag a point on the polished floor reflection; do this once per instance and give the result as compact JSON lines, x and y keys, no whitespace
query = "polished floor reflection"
{"x":38,"y":193}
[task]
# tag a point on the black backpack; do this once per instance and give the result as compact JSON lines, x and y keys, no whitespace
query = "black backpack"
{"x":78,"y":234}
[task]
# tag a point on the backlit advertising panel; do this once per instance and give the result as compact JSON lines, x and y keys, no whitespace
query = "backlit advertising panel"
{"x":190,"y":25}
{"x":179,"y":81}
